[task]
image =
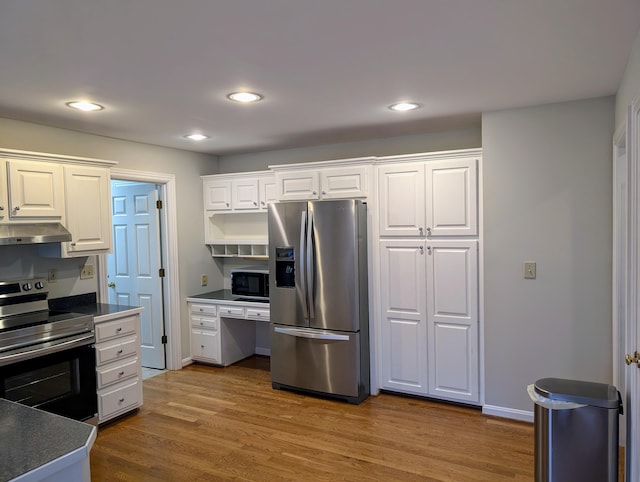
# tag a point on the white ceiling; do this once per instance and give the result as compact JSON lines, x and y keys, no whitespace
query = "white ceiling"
{"x":328,"y":69}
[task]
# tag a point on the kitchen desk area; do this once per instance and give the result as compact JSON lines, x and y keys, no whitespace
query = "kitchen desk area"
{"x":226,"y":327}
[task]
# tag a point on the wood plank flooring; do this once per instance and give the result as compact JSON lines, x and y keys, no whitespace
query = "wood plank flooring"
{"x":207,"y":423}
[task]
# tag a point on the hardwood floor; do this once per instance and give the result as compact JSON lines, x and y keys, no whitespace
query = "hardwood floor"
{"x":207,"y":423}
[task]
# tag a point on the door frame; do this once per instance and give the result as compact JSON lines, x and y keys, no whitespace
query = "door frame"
{"x":621,"y":313}
{"x":169,"y":240}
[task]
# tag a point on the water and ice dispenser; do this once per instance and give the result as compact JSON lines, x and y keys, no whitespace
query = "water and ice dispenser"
{"x":285,"y":267}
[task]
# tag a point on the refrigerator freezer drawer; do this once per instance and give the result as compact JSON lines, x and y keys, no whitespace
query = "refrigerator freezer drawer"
{"x":317,"y":360}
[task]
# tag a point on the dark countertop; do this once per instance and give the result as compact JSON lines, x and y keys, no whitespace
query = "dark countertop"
{"x":31,"y":438}
{"x":225,"y":295}
{"x":102,"y":309}
{"x":86,"y":303}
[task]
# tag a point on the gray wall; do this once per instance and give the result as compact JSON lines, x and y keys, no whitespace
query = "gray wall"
{"x":194,"y":257}
{"x":547,"y":198}
{"x":437,"y":141}
{"x":629,"y":89}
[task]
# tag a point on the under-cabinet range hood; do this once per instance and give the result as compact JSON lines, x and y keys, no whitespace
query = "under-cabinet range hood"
{"x":33,"y":233}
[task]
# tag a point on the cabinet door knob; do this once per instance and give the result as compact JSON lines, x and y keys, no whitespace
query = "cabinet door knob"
{"x":428,"y":231}
{"x":17,"y":208}
{"x":227,"y":204}
{"x":121,"y":400}
{"x":201,"y":346}
{"x":262,"y":202}
{"x":421,"y":249}
{"x":314,"y":193}
{"x":255,"y":203}
{"x":120,"y":374}
{"x":120,"y":351}
{"x":73,"y":244}
{"x":119,"y":329}
{"x":1,"y":208}
{"x":420,"y":230}
{"x":324,"y":193}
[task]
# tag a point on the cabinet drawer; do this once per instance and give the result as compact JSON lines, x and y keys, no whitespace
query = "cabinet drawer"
{"x":206,"y":345}
{"x":232,"y":311}
{"x":116,"y":328}
{"x":119,"y":400}
{"x":116,"y":351}
{"x":204,"y":322}
{"x":109,"y":376}
{"x":258,"y":314}
{"x":211,"y":310}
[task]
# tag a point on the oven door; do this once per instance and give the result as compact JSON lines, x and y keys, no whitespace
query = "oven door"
{"x":63,"y":383}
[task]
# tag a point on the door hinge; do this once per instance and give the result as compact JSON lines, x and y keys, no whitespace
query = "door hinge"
{"x":164,"y":339}
{"x":159,"y":204}
{"x":161,"y":272}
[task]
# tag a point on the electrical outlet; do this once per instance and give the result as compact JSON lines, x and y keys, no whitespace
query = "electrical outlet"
{"x":529,"y":270}
{"x":52,"y":276}
{"x":86,"y":272}
{"x":204,"y":280}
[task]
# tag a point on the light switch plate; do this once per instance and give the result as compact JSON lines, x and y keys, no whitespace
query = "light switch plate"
{"x":86,"y":272}
{"x":529,"y":270}
{"x":204,"y":280}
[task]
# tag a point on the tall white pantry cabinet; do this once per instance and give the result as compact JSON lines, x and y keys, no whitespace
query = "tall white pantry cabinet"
{"x":428,"y":242}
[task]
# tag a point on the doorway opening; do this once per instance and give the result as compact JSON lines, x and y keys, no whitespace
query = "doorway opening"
{"x":163,"y":323}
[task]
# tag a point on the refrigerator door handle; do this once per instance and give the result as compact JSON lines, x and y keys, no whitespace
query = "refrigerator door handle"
{"x":301,"y":261}
{"x":314,"y":334}
{"x":310,"y":261}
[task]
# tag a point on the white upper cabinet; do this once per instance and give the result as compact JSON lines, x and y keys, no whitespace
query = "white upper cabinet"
{"x":429,"y":199}
{"x":88,"y":213}
{"x":344,"y":182}
{"x":268,"y":190}
{"x":402,"y":199}
{"x":238,"y":192}
{"x":343,"y":179}
{"x":217,"y":195}
{"x":452,"y":190}
{"x":4,"y":198}
{"x":244,"y":194}
{"x":300,"y":185}
{"x":36,"y":190}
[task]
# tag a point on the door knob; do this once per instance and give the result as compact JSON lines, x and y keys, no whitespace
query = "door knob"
{"x":635,"y":358}
{"x":111,"y":284}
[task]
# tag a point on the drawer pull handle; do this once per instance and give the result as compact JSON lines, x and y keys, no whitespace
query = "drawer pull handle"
{"x":201,"y":309}
{"x":201,"y":346}
{"x":121,"y":400}
{"x":120,"y":374}
{"x":119,"y":351}
{"x":118,"y":330}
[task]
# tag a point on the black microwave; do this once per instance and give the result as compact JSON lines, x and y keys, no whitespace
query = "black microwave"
{"x":250,"y":283}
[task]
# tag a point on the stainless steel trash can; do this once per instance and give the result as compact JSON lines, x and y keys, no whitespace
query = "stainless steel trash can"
{"x":576,"y":430}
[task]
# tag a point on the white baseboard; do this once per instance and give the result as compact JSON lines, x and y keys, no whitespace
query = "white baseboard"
{"x":522,"y":415}
{"x":187,"y":361}
{"x":263,"y":351}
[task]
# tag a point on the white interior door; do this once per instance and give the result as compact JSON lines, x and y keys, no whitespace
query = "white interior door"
{"x":133,"y":267}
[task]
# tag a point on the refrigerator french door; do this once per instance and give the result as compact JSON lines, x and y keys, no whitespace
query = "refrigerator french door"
{"x":318,"y":298}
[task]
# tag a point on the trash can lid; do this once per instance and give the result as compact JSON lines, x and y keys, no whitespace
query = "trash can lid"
{"x":586,"y":393}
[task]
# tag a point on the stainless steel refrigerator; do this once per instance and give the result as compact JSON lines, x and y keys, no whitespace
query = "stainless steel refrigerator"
{"x":318,"y":298}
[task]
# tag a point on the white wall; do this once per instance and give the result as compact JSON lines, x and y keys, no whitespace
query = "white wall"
{"x":435,"y":141}
{"x":194,"y":257}
{"x":547,"y":198}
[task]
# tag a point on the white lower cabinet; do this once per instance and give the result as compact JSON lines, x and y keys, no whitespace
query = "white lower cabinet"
{"x":118,"y":364}
{"x":429,"y":307}
{"x":223,"y":333}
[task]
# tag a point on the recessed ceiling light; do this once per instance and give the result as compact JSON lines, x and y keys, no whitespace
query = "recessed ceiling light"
{"x":196,"y":137}
{"x":244,"y":97}
{"x":84,"y":105}
{"x":404,"y":106}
